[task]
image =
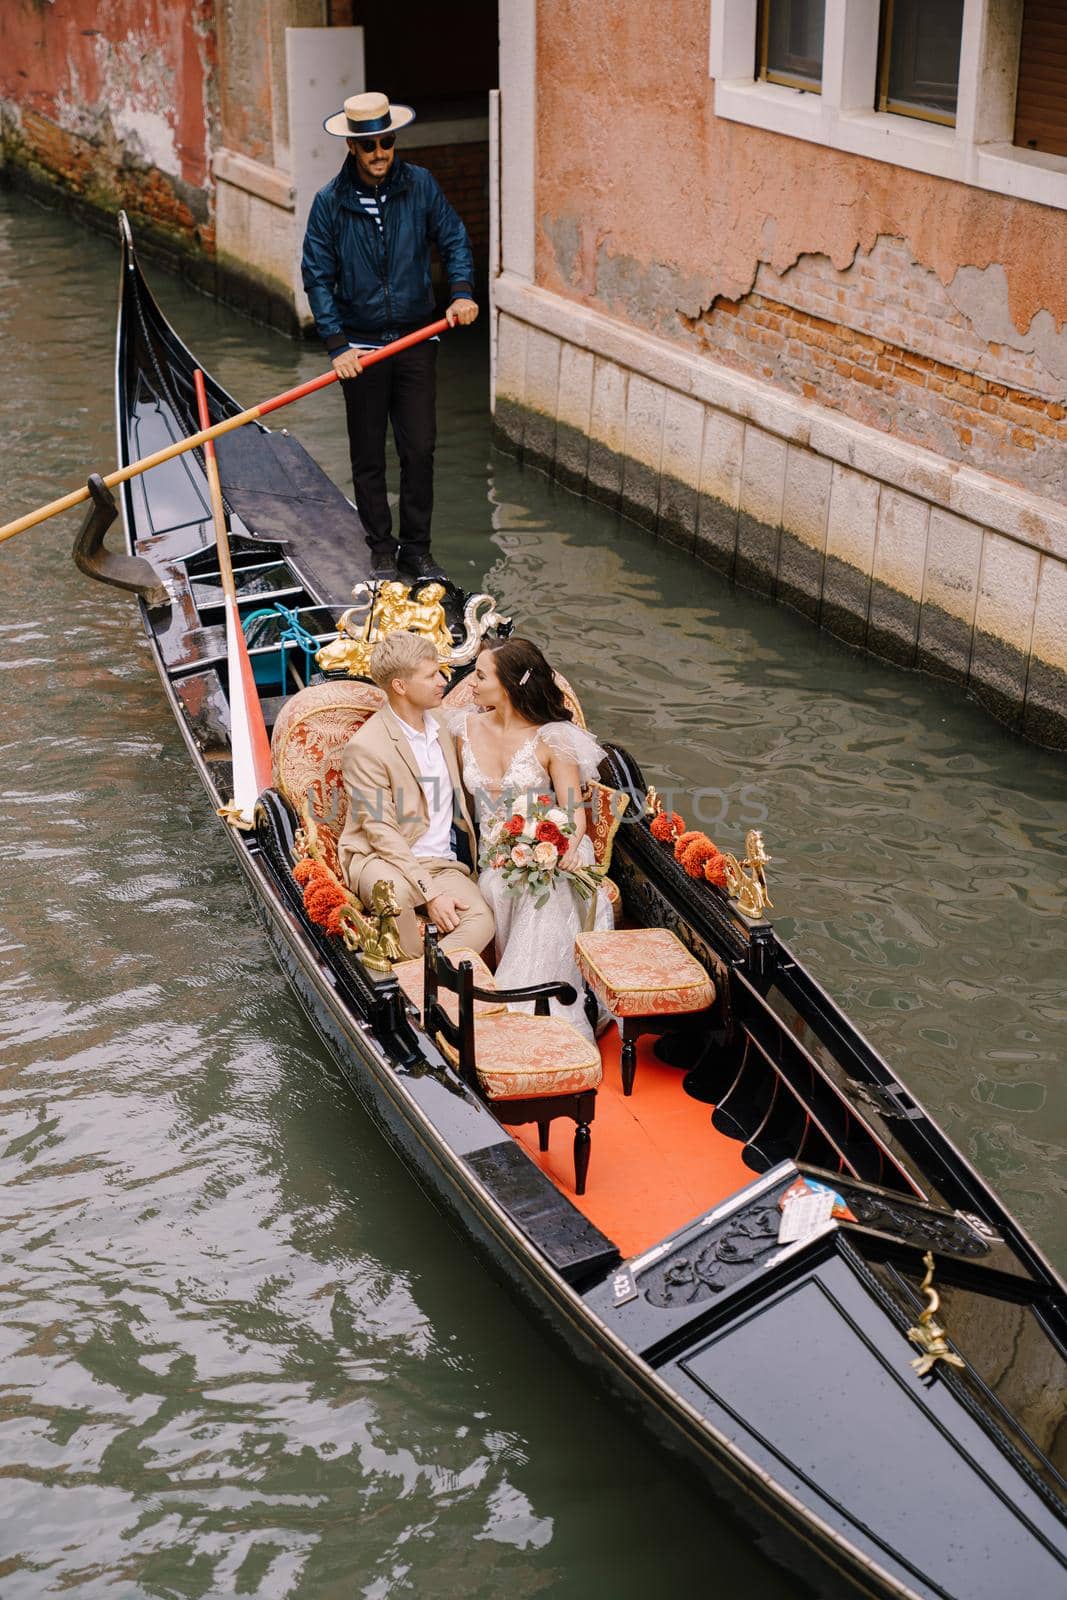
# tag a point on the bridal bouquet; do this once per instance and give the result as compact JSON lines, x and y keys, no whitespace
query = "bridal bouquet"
{"x":527,"y":847}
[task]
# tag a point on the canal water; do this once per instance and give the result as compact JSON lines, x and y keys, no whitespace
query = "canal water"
{"x":240,"y":1352}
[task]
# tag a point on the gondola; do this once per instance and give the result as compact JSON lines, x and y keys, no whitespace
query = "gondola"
{"x":877,"y":1388}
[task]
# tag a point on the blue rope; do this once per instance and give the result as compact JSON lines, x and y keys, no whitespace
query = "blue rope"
{"x":293,"y":633}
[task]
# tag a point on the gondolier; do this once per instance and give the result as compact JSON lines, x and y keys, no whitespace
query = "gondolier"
{"x":366,"y":272}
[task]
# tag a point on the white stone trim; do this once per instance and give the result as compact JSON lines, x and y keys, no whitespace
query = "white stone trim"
{"x":494,"y":235}
{"x":1026,"y":519}
{"x":518,"y":135}
{"x":254,"y":177}
{"x":978,"y":151}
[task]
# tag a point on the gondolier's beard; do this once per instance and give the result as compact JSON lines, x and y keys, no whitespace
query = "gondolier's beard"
{"x":374,"y":169}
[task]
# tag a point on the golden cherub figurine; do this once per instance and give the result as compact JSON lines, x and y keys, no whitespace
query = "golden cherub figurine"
{"x":381,"y":947}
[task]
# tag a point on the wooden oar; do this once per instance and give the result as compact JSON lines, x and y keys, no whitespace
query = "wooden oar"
{"x":75,"y":498}
{"x":249,"y":745}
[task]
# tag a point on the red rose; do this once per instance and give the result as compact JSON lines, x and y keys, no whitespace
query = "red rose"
{"x":545,"y":800}
{"x":514,"y":826}
{"x":548,"y":833}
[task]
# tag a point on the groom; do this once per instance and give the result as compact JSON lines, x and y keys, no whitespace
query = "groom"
{"x":407,"y":814}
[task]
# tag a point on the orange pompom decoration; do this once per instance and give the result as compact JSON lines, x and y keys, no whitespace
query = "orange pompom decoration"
{"x":715,"y":869}
{"x":696,"y":854}
{"x":322,"y":898}
{"x":684,"y":840}
{"x":307,"y":871}
{"x":667,"y":826}
{"x":333,"y":921}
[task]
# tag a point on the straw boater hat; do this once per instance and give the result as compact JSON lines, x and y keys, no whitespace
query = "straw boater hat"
{"x":367,"y":114}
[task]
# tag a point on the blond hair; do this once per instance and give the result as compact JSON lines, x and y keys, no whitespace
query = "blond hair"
{"x":396,"y":654}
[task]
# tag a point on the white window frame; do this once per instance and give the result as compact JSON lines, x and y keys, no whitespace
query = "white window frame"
{"x":977,"y":151}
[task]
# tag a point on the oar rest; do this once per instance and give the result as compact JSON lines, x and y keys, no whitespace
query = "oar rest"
{"x":529,"y":1068}
{"x":648,"y":981}
{"x":308,"y":742}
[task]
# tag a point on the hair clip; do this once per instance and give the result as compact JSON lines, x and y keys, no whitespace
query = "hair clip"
{"x":524,"y":677}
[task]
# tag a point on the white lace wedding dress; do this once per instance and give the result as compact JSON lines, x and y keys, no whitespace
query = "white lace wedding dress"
{"x":535,"y":945}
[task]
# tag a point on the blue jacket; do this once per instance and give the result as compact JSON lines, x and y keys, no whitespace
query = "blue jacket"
{"x":366,"y":281}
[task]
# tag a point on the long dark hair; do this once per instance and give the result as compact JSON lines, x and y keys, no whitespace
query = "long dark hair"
{"x":529,"y":681}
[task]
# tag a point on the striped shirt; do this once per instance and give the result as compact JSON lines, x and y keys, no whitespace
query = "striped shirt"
{"x":370,"y":204}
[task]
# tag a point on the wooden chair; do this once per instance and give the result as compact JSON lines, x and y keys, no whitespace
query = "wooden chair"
{"x":529,"y":1068}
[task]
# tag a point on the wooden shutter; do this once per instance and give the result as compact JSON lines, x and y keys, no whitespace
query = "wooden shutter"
{"x":1041,"y":100}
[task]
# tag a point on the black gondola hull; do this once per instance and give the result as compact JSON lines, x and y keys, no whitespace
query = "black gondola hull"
{"x":711,"y":1336}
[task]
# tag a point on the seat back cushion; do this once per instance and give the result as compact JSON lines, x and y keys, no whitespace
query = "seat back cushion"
{"x":308,"y":741}
{"x":604,"y":812}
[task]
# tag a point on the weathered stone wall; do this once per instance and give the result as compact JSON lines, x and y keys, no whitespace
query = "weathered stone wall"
{"x":925,"y":562}
{"x":886,"y":343}
{"x":114,"y":102}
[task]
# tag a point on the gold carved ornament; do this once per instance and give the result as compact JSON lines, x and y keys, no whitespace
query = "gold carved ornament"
{"x":928,"y":1334}
{"x":393,"y":607}
{"x":373,"y":936}
{"x":746,"y":881}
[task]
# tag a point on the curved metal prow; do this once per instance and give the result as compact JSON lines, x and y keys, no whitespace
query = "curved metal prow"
{"x":92,"y":557}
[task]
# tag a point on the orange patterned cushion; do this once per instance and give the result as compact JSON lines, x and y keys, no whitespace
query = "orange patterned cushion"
{"x":520,"y":1056}
{"x":463,"y":695}
{"x":605,"y":812}
{"x":409,"y":974}
{"x":309,"y":738}
{"x":642,"y":972}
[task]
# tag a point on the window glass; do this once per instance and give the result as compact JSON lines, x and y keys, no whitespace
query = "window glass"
{"x":921,"y":58}
{"x":791,"y":42}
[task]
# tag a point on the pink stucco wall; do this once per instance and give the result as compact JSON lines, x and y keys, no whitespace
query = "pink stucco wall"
{"x":652,"y":209}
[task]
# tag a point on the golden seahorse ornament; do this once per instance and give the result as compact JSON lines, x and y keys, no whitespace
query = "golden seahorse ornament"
{"x":929,"y":1335}
{"x":746,"y":881}
{"x":373,"y":936}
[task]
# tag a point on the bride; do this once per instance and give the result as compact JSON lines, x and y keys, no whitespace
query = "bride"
{"x":519,"y":739}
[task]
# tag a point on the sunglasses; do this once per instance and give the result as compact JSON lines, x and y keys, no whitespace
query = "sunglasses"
{"x":385,"y":141}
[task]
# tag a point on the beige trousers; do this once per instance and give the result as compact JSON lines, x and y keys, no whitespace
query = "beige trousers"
{"x":448,"y":877}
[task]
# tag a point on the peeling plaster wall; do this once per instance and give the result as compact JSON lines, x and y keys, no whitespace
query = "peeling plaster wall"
{"x":837,"y":381}
{"x":652,"y":209}
{"x":113,"y":101}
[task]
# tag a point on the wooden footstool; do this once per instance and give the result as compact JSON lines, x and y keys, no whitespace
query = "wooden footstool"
{"x":646,"y":978}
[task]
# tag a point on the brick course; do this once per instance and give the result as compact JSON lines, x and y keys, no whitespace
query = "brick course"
{"x":882,"y":342}
{"x":462,"y":170}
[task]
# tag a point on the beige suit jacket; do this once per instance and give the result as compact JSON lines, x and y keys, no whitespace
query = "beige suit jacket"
{"x":387,"y":807}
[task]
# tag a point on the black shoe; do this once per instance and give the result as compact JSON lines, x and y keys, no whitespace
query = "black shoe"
{"x":420,"y":564}
{"x":383,"y":566}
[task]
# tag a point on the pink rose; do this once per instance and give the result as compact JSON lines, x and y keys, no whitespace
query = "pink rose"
{"x":522,"y":855}
{"x":545,"y":854}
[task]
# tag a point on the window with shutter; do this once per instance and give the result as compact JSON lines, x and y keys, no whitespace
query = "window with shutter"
{"x":1041,"y":99}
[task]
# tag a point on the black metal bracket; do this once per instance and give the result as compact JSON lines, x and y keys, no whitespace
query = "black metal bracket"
{"x":92,"y":556}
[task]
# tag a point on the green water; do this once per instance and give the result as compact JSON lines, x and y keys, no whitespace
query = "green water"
{"x":240,"y":1353}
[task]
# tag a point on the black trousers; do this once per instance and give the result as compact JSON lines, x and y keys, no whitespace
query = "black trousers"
{"x":401,"y":390}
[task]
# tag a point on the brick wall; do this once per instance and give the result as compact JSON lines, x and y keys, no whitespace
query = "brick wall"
{"x":462,"y":170}
{"x":884,"y":342}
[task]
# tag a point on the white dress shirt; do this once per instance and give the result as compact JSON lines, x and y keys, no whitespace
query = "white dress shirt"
{"x":436,"y":785}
